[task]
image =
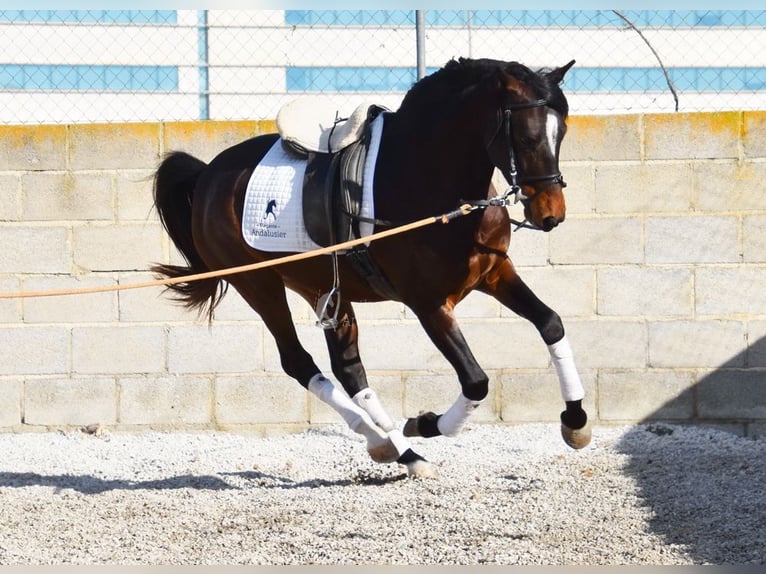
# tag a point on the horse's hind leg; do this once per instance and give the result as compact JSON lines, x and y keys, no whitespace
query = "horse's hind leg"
{"x":347,"y":367}
{"x":265,"y":292}
{"x":508,"y":288}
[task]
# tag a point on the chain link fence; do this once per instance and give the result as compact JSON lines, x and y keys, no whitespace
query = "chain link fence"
{"x":70,"y":66}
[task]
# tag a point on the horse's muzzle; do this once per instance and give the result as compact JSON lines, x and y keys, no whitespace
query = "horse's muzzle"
{"x":549,"y":223}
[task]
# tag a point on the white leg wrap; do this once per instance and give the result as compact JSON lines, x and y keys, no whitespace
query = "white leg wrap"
{"x":368,"y":400}
{"x":356,"y":418}
{"x":450,"y":423}
{"x":569,"y":379}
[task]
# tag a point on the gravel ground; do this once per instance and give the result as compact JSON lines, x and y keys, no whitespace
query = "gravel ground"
{"x":657,"y":494}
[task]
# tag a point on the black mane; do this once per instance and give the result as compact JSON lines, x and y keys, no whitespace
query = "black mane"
{"x":458,"y":75}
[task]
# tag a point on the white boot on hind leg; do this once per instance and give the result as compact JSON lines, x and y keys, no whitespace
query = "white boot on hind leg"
{"x":379,"y":445}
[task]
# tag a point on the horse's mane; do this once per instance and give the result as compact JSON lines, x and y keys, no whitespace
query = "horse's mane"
{"x":458,"y":75}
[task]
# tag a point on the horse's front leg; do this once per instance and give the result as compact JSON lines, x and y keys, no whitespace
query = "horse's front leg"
{"x":507,"y":287}
{"x":442,"y":327}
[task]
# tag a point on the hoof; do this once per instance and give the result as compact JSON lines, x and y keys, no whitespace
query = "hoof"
{"x":411,"y":428}
{"x":425,"y":425}
{"x":576,"y":438}
{"x":421,"y":469}
{"x":383,"y":452}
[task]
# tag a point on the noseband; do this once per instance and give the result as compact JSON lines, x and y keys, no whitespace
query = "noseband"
{"x":516,"y":180}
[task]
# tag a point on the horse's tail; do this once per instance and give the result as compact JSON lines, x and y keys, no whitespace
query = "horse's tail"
{"x":174,"y":184}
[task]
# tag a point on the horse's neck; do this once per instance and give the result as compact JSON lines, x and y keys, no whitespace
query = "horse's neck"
{"x":446,"y":155}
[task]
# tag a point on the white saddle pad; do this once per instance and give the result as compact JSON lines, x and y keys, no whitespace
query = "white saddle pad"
{"x":273,"y":216}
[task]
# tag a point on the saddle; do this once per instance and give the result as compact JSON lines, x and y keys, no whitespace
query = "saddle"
{"x":332,"y":184}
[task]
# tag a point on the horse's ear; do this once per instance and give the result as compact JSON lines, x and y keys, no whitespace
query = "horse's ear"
{"x":558,"y":74}
{"x":512,"y":84}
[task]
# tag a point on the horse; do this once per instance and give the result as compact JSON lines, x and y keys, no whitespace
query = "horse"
{"x":438,"y":150}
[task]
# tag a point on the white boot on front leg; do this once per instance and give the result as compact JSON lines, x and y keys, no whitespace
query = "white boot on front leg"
{"x":571,"y":390}
{"x":452,"y":422}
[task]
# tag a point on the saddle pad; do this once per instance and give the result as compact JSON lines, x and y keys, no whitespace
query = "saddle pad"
{"x":273,"y":215}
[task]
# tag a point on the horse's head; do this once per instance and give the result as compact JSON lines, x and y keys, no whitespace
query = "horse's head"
{"x":525,"y":141}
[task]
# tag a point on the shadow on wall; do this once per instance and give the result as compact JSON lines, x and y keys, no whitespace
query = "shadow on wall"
{"x":706,"y":491}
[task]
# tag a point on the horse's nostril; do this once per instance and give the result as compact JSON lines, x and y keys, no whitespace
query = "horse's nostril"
{"x":549,"y":223}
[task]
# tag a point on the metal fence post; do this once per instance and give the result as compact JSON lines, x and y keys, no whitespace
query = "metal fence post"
{"x":203,"y":65}
{"x":420,"y":33}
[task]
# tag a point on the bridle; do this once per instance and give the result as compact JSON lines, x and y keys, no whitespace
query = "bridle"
{"x":505,"y":124}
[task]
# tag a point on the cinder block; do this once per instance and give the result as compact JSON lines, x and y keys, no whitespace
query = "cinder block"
{"x":10,"y":197}
{"x":756,"y":344}
{"x":597,"y":241}
{"x":754,"y":239}
{"x":134,"y":196}
{"x":127,"y":247}
{"x":729,"y":186}
{"x":206,"y":140}
{"x":217,"y":349}
{"x":645,"y":395}
{"x":432,"y":392}
{"x":530,"y":249}
{"x":732,"y":394}
{"x":367,"y":313}
{"x":504,"y":344}
{"x":10,"y":403}
{"x":643,"y":188}
{"x":79,"y":401}
{"x":602,"y":138}
{"x":611,"y":344}
{"x":535,"y":396}
{"x":570,"y":291}
{"x":478,"y":306}
{"x":704,"y":135}
{"x":696,"y":344}
{"x":85,"y":308}
{"x":118,"y":349}
{"x":259,"y":399}
{"x":67,"y":196}
{"x":580,"y":191}
{"x":692,"y":239}
{"x":33,"y":148}
{"x":150,"y":304}
{"x":34,"y":350}
{"x":645,"y":292}
{"x":114,"y":146}
{"x":754,"y":138}
{"x":10,"y":309}
{"x":730,"y":290}
{"x":166,"y":401}
{"x":398,"y":347}
{"x":32,"y":249}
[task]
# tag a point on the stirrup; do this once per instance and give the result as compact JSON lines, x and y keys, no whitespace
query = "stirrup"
{"x":329,"y":300}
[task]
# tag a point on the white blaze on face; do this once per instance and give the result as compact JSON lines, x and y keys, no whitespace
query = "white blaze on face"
{"x":552,"y":131}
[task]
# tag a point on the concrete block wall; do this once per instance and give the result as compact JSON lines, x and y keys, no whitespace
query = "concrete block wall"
{"x":658,"y":273}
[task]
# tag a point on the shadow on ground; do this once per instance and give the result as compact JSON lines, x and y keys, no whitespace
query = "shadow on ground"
{"x":709,"y":495}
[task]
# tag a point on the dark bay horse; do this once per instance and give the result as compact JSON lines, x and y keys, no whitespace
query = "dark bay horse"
{"x":437,"y":151}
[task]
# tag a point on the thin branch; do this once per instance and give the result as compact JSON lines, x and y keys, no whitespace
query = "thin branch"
{"x":656,"y":55}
